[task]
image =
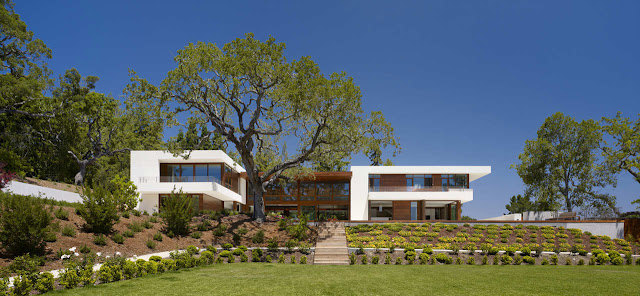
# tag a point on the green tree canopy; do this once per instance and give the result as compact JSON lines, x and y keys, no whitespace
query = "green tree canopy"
{"x":561,"y":164}
{"x":251,"y":95}
{"x":23,"y":72}
{"x":622,"y":152}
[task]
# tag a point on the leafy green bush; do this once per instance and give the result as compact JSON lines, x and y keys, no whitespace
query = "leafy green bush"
{"x":151,"y":244}
{"x":225,"y":253}
{"x":291,"y":244}
{"x":443,"y":258}
{"x":50,"y":237}
{"x":300,"y":231}
{"x":506,"y":259}
{"x":69,"y":231}
{"x":24,"y":224}
{"x":364,"y":260}
{"x":227,"y":246}
{"x":581,"y":261}
{"x":375,"y":259}
{"x":157,"y":236}
{"x":117,"y":238}
{"x":352,"y":258}
{"x":176,"y":212}
{"x":517,"y":260}
{"x":61,"y":214}
{"x":100,"y":240}
{"x":128,"y":233}
{"x":45,"y":283}
{"x":617,"y":261}
{"x":220,"y":230}
{"x":147,"y":224}
{"x":303,"y":260}
{"x":268,"y":259}
{"x":387,"y":259}
{"x":99,"y":209}
{"x":529,"y":260}
{"x":281,"y":258}
{"x":272,"y":244}
{"x":258,"y":238}
{"x":554,"y":259}
{"x":485,"y":260}
{"x":196,"y":235}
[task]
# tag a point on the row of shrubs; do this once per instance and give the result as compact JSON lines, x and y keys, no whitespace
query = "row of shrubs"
{"x":79,"y":271}
{"x":423,"y":258}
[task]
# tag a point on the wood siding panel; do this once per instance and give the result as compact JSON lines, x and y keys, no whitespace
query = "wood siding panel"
{"x":402,"y":210}
{"x":212,"y":204}
{"x":437,"y":180}
{"x":393,"y":180}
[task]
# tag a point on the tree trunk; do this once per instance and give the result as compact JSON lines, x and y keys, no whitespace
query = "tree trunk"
{"x":258,"y":205}
{"x":82,"y":171}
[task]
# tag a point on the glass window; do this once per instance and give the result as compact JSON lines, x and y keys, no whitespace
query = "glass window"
{"x":326,"y":212}
{"x":381,"y":210}
{"x":307,"y":190}
{"x":187,"y":173}
{"x":214,"y":173}
{"x":201,"y":173}
{"x":414,"y":210}
{"x":428,"y":181}
{"x":341,"y":191}
{"x":309,"y":211}
{"x":174,"y":172}
{"x":324,"y":191}
{"x":374,"y":183}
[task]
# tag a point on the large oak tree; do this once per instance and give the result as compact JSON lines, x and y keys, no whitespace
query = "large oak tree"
{"x":561,"y":164}
{"x":251,"y":95}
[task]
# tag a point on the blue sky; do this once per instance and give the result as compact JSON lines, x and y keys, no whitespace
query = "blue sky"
{"x":463,"y":83}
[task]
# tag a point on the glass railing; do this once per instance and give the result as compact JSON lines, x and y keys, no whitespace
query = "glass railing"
{"x":417,"y":188}
{"x":185,"y":179}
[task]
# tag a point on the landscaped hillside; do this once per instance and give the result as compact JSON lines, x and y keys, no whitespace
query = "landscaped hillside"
{"x":138,"y":233}
{"x":490,"y":239}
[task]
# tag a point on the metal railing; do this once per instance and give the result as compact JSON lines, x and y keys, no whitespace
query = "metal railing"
{"x":417,"y":189}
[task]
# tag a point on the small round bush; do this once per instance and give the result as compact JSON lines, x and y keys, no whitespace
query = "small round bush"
{"x":151,"y":244}
{"x":118,"y":238}
{"x":128,"y":233}
{"x":196,"y":235}
{"x":100,"y":240}
{"x":157,"y":236}
{"x":68,"y":231}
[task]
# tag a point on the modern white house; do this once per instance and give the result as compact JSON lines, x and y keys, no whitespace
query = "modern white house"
{"x":216,"y":182}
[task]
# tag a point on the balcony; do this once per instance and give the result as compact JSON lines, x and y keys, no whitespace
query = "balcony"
{"x":185,"y":179}
{"x":200,"y":184}
{"x":413,"y":193}
{"x":417,"y":189}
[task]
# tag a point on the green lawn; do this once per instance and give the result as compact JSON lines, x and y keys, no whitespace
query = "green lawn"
{"x":279,"y":279}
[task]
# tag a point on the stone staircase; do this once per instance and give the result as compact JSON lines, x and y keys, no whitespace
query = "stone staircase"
{"x":331,"y":247}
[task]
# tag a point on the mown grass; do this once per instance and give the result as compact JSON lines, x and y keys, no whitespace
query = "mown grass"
{"x":281,"y":279}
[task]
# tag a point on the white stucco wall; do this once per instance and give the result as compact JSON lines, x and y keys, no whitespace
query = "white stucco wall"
{"x":35,"y":190}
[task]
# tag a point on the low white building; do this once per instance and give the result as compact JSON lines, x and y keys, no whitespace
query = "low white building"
{"x":215,"y":182}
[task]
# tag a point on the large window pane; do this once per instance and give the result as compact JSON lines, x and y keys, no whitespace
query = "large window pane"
{"x":201,"y":173}
{"x":187,"y":173}
{"x":307,"y":190}
{"x":341,"y":191}
{"x":309,"y":211}
{"x":174,"y":172}
{"x":215,"y":172}
{"x":324,"y":191}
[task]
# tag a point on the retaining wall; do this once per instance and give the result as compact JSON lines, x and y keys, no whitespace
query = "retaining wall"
{"x":35,"y":190}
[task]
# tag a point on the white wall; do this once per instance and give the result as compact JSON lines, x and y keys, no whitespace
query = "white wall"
{"x":35,"y":190}
{"x":509,"y":217}
{"x":149,"y":203}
